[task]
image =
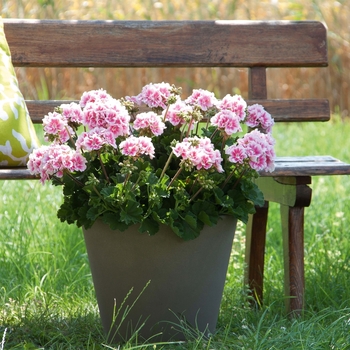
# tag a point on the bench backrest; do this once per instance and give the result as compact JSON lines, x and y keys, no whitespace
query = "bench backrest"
{"x":256,"y":45}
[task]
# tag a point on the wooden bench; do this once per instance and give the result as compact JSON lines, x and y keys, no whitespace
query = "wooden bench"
{"x":257,"y":45}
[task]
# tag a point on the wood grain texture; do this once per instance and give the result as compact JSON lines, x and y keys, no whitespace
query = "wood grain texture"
{"x":293,"y":247}
{"x":19,"y":173}
{"x":281,"y":110}
{"x":53,"y":43}
{"x":257,"y":88}
{"x":255,"y":252}
{"x":308,"y":166}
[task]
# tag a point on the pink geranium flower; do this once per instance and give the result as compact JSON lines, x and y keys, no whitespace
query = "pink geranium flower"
{"x":72,"y":112}
{"x":153,"y":95}
{"x":56,"y":127}
{"x":237,"y":154}
{"x":199,"y":153}
{"x":227,"y":121}
{"x":180,"y":158}
{"x":255,"y":148}
{"x":235,"y":104}
{"x":258,"y":118}
{"x":150,"y":123}
{"x":95,"y":139}
{"x":137,"y":146}
{"x":177,"y":112}
{"x":54,"y":160}
{"x":110,"y":114}
{"x":94,"y":96}
{"x":202,"y":98}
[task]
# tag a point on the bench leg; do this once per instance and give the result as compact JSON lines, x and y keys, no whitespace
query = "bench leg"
{"x":255,"y":251}
{"x":293,"y":245}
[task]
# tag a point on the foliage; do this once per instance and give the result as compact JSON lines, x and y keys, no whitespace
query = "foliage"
{"x":154,"y":168}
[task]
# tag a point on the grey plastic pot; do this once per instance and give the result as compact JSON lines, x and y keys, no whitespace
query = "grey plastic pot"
{"x":178,"y":285}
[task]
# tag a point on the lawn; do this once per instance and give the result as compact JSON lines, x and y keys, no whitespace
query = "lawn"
{"x":47,"y":299}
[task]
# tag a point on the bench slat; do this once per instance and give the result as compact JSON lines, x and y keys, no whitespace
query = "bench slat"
{"x":285,"y":166}
{"x":281,"y":110}
{"x":52,"y":43}
{"x":19,"y":173}
{"x":308,"y":166}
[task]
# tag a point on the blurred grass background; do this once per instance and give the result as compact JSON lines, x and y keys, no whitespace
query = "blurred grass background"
{"x":332,"y":82}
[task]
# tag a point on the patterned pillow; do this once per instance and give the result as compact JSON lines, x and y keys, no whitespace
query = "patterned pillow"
{"x":17,"y":133}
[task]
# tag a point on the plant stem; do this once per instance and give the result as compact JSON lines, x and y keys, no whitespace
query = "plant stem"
{"x":194,"y":183}
{"x":175,"y":176}
{"x":230,"y":176}
{"x":166,"y":165}
{"x":74,"y":179}
{"x":70,"y":136}
{"x":196,"y":194}
{"x":126,"y":179}
{"x":212,"y":135}
{"x":166,"y":112}
{"x":189,"y":127}
{"x":98,"y":193}
{"x":103,"y":167}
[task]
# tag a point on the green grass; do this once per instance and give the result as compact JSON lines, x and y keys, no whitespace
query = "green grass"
{"x":47,"y":299}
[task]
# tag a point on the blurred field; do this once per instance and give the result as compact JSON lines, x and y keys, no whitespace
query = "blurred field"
{"x":332,"y":82}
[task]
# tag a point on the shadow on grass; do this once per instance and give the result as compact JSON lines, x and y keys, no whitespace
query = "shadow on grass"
{"x":54,"y":332}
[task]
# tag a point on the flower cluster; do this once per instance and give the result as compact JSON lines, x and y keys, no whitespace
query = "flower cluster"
{"x":199,"y":153}
{"x":179,"y":162}
{"x":54,"y":160}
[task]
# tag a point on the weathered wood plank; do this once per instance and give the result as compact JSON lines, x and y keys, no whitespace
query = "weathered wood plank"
{"x":281,"y":110}
{"x":293,"y":251}
{"x":285,"y":167}
{"x":308,"y":166}
{"x":255,"y":252}
{"x":38,"y":109}
{"x":52,"y":43}
{"x":257,"y":88}
{"x":308,"y":110}
{"x":306,"y":159}
{"x":20,"y":173}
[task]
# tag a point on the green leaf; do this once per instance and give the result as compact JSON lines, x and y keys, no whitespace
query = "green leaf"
{"x":191,"y":220}
{"x":149,"y":226}
{"x":206,"y":212}
{"x":152,"y":179}
{"x":160,"y":188}
{"x":206,"y":219}
{"x":184,"y":230}
{"x":93,"y":213}
{"x":108,"y":191}
{"x":253,"y":193}
{"x":113,"y":220}
{"x":131,"y":213}
{"x":186,"y":227}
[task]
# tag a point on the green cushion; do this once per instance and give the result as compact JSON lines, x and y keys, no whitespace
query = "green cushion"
{"x":17,"y":133}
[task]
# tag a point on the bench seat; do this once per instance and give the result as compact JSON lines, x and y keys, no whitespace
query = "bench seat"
{"x":308,"y":166}
{"x":285,"y":167}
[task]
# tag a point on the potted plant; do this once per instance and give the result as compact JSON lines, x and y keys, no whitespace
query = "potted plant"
{"x":146,"y":186}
